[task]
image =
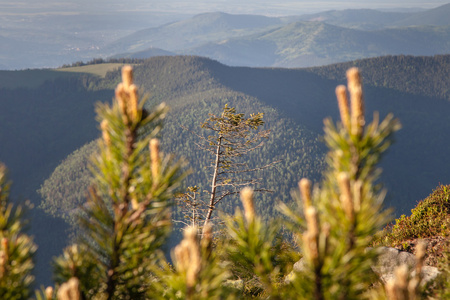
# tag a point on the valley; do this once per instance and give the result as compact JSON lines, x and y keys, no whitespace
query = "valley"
{"x":54,"y":37}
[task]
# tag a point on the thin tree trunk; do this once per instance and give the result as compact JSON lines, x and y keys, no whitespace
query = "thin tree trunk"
{"x":213,"y":184}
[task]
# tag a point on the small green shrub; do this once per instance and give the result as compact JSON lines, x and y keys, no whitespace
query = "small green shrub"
{"x":430,"y":218}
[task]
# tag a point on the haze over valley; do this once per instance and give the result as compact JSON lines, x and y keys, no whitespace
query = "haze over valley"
{"x":46,"y":34}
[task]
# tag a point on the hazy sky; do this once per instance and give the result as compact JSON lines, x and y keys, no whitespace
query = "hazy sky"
{"x":268,"y":7}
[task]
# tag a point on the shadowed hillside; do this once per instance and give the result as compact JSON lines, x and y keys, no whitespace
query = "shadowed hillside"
{"x":426,"y":76}
{"x":303,"y":100}
{"x":40,"y":126}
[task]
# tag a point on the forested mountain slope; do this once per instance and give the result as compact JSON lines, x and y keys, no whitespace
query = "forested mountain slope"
{"x":188,"y":86}
{"x":420,"y":75}
{"x":416,"y":160}
{"x":47,"y":122}
{"x":295,"y":103}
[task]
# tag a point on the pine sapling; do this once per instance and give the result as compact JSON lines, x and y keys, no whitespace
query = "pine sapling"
{"x":346,"y":209}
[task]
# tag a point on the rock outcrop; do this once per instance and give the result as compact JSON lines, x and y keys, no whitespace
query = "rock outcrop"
{"x":389,"y":259}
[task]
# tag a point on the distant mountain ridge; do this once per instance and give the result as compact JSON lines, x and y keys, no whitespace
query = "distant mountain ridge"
{"x":147,"y":53}
{"x":436,"y":16}
{"x":199,"y":29}
{"x":53,"y":41}
{"x":370,"y":19}
{"x":298,"y":41}
{"x":306,"y":44}
{"x":365,"y":19}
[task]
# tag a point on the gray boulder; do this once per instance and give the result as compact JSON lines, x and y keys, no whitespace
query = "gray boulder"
{"x":299,"y":266}
{"x":388,"y":260}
